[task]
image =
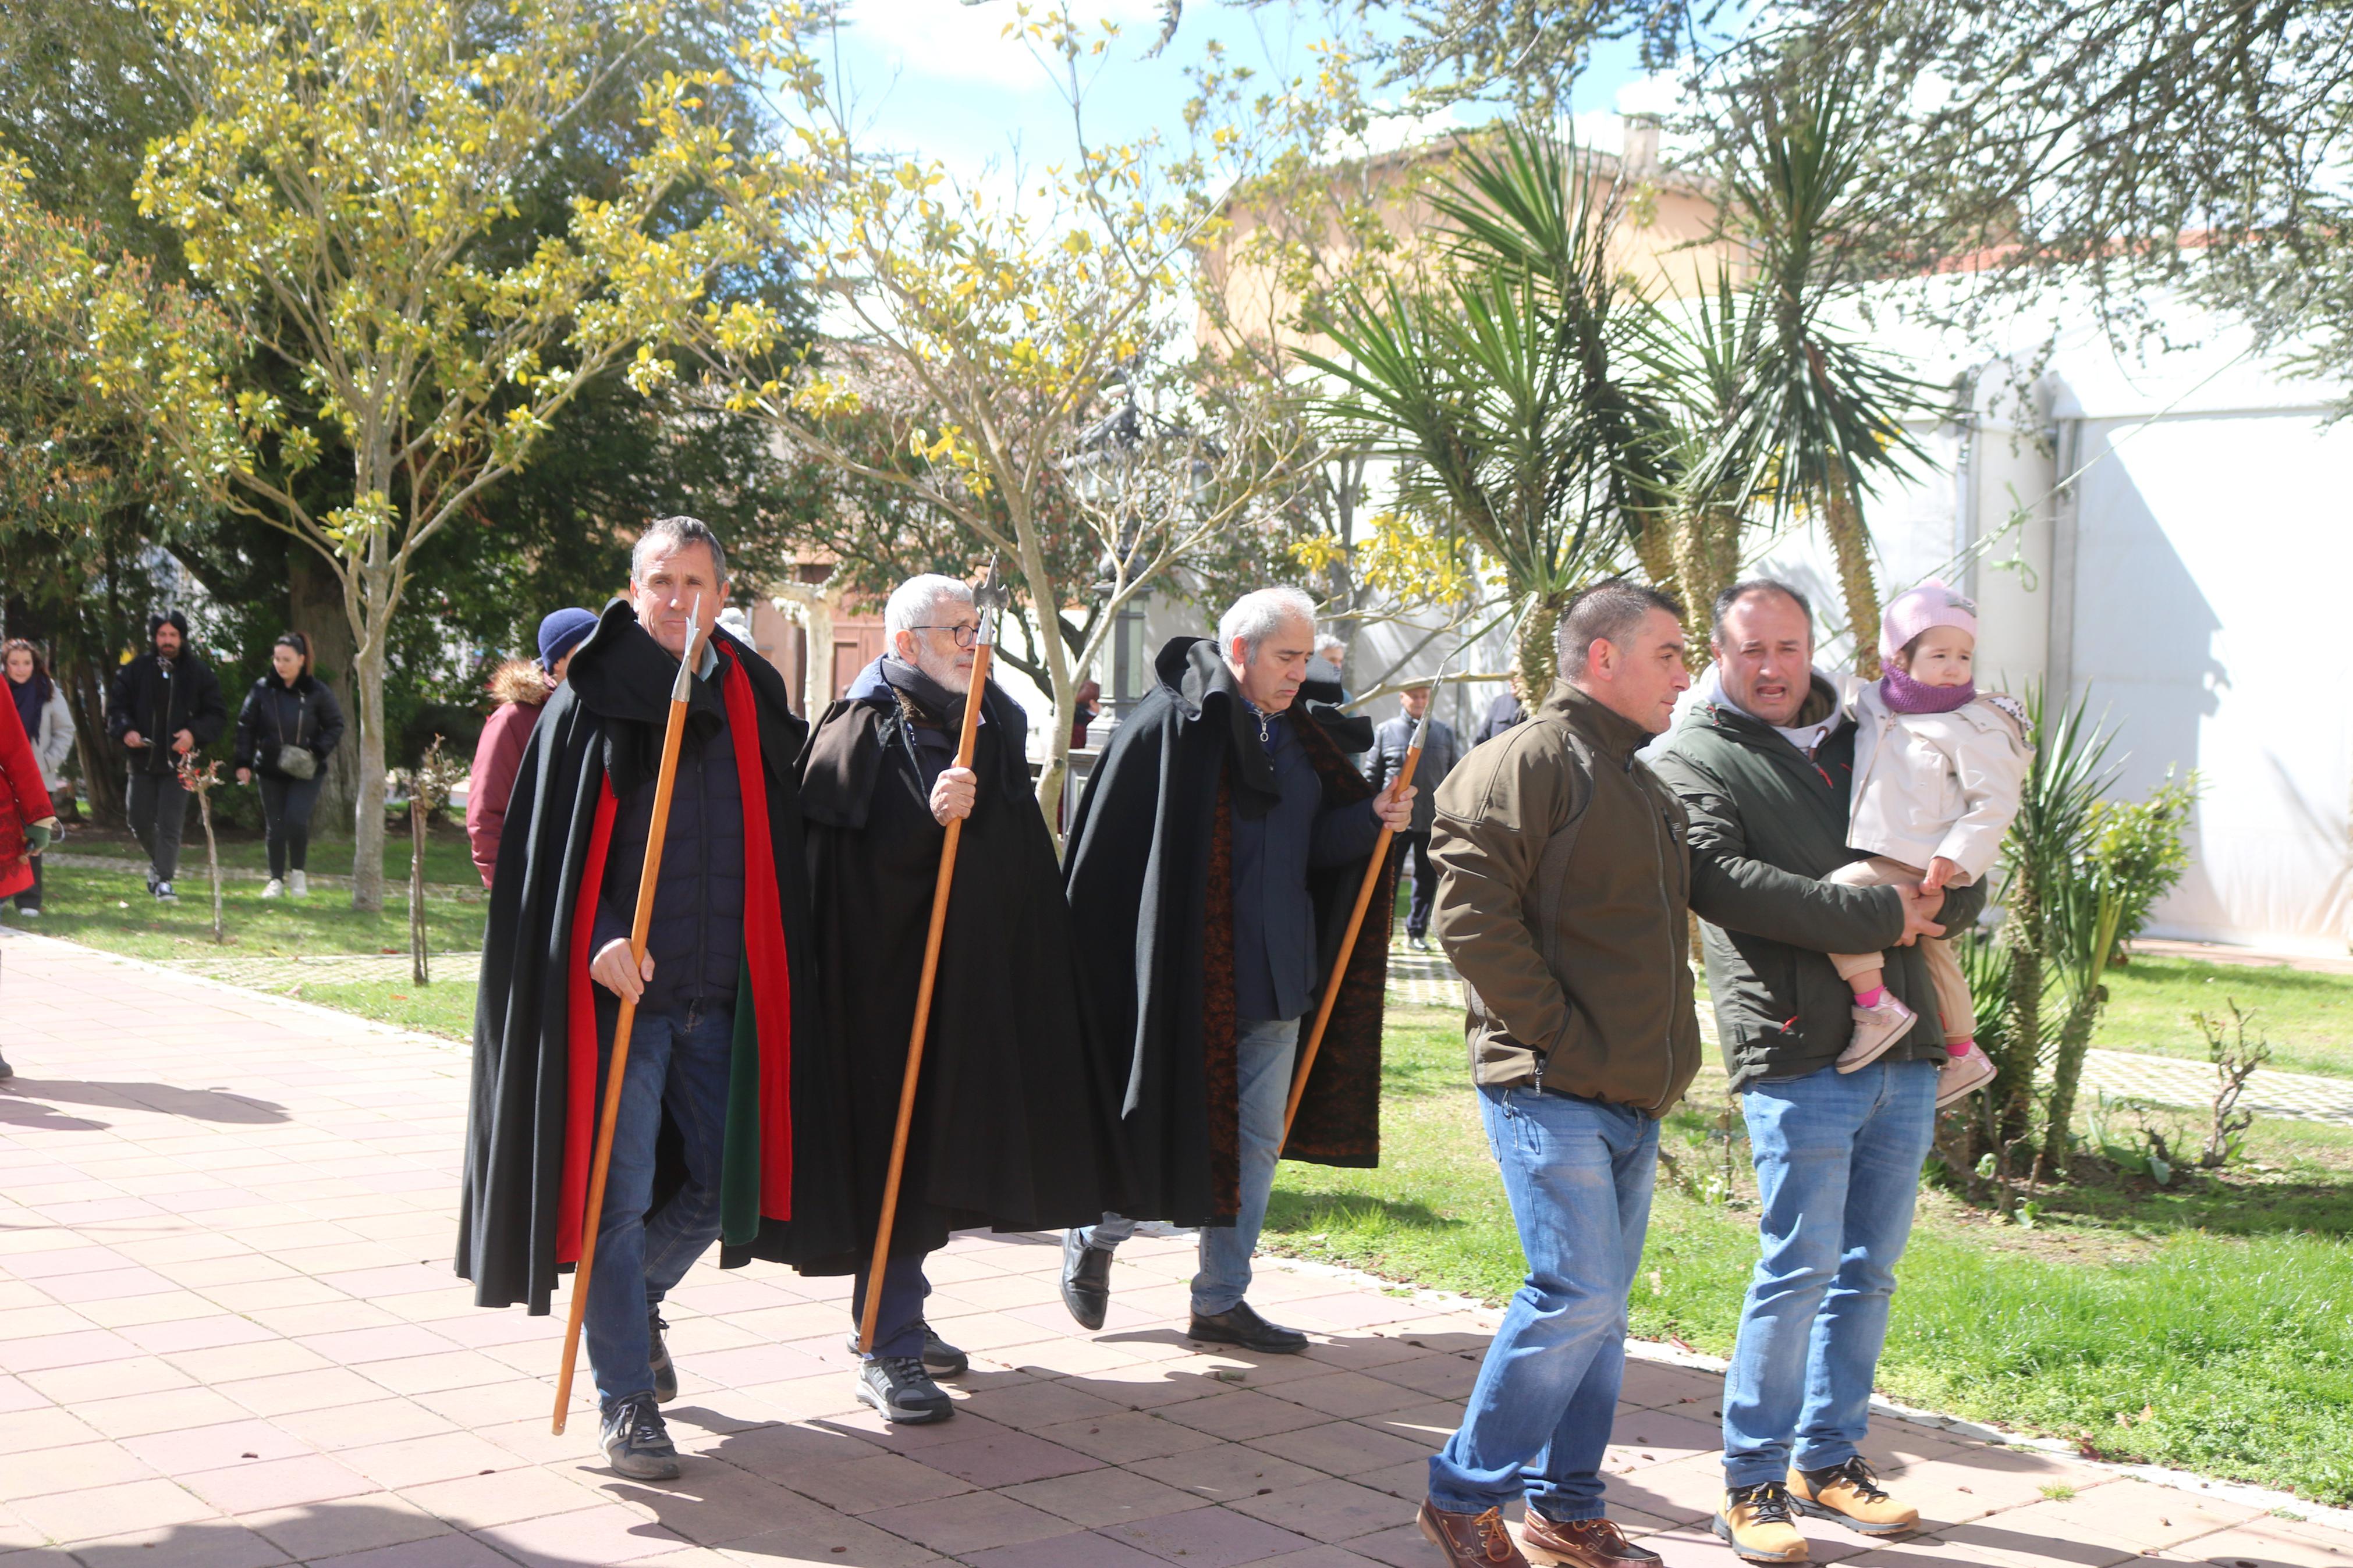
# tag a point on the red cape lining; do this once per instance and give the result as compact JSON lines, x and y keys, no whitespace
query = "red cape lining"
{"x":764,"y":954}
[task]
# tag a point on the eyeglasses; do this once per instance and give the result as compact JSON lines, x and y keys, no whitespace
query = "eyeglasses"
{"x":965,"y":634}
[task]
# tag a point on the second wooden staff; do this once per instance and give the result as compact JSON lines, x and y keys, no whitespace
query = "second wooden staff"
{"x":1403,"y":782}
{"x":983,"y":643}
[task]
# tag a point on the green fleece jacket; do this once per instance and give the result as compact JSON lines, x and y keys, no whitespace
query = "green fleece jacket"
{"x":1766,"y":823}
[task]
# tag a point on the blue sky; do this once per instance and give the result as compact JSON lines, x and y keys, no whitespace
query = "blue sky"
{"x":937,"y":79}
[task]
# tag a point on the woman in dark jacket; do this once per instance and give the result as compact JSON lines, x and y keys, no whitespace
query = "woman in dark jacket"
{"x":289,"y":714}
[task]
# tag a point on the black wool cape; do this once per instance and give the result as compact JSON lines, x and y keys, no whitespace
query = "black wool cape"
{"x":1149,"y":875}
{"x":1015,"y":1126}
{"x":607,"y":720}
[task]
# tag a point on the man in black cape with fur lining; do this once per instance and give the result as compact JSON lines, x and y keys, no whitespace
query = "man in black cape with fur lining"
{"x":1216,"y":858}
{"x":728,"y":1110}
{"x":1015,"y":1121}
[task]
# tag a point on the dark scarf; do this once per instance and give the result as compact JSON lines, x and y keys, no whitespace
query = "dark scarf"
{"x":1904,"y":695}
{"x":31,"y":695}
{"x":935,"y":701}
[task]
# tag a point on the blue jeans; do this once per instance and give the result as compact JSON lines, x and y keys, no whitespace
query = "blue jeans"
{"x":1838,"y":1161}
{"x":898,"y":1321}
{"x":679,"y":1060}
{"x":1578,"y":1173}
{"x":1263,"y":1051}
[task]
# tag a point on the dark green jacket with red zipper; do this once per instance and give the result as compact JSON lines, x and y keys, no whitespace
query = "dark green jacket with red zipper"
{"x":1766,"y":823}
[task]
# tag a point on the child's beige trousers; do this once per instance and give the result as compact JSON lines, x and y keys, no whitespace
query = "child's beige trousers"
{"x":1944,"y":969}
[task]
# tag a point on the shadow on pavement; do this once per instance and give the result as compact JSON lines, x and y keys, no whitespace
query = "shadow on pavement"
{"x":18,"y":1094}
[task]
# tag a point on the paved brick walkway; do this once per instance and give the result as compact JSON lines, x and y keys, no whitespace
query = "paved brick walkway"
{"x":230,"y":1339}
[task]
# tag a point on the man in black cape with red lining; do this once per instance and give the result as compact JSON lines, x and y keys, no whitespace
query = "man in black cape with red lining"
{"x":725,"y":1113}
{"x":1213,"y":866}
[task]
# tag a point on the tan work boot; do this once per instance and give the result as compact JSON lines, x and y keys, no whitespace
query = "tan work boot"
{"x":1850,"y":1494}
{"x":1755,"y":1522}
{"x":1470,"y":1539}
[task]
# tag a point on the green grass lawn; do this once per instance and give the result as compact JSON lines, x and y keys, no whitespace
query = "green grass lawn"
{"x":111,"y":910}
{"x":2210,"y":1327}
{"x":2307,"y":1017}
{"x":446,"y":858}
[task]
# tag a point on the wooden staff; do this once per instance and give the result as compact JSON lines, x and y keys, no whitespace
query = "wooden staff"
{"x":665,"y":781}
{"x":986,"y":599}
{"x":1397,"y":786}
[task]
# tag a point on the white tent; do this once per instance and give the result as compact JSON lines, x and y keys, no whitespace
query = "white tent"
{"x":2168,"y":535}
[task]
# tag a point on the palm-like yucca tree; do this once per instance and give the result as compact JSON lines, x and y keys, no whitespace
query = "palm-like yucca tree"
{"x":1699,"y":352}
{"x":1818,"y":414}
{"x":1499,"y":387}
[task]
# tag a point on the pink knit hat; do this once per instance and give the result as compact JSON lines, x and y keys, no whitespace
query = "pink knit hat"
{"x":1910,"y":613}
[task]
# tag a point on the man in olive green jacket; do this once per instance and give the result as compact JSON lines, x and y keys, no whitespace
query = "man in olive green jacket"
{"x":1563,"y":879}
{"x":1764,"y":764}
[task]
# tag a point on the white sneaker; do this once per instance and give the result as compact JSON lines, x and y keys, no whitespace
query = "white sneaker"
{"x":163,"y":894}
{"x":298,"y":884}
{"x":25,"y":914}
{"x":1875,"y":1029}
{"x":273,"y":889}
{"x":1963,"y":1074}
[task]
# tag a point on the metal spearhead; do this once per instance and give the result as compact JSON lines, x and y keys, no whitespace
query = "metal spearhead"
{"x":1429,"y":710}
{"x":686,"y":660}
{"x":991,"y":598}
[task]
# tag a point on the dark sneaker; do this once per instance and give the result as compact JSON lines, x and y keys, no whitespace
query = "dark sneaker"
{"x":1755,"y":1522}
{"x":1851,"y":1495}
{"x":637,"y":1443}
{"x":163,"y":894}
{"x":1242,"y":1325}
{"x":897,"y":1387}
{"x":658,"y":1357}
{"x":1470,"y":1539}
{"x":941,"y":1359}
{"x":1581,"y":1544}
{"x":7,"y":1071}
{"x":1086,"y":1281}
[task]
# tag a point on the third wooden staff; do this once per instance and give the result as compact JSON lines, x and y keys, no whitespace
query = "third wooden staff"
{"x":1403,"y":782}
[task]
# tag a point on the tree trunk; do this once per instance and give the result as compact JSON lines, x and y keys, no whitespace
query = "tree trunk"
{"x":101,"y":765}
{"x":1539,"y":656}
{"x":314,"y":603}
{"x":1842,"y":518}
{"x":1707,"y":561}
{"x":367,"y":820}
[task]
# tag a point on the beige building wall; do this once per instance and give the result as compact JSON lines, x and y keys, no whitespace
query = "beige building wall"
{"x":1661,"y":243}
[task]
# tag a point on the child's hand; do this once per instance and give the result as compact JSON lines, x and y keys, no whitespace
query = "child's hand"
{"x":1941,"y":871}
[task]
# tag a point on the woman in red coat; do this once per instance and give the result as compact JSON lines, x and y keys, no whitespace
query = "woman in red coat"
{"x":27,"y":818}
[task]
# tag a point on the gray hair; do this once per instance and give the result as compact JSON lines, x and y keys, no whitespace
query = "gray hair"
{"x":669,"y":535}
{"x":1607,"y":612}
{"x":1328,"y":641}
{"x":912,"y":601}
{"x":1256,"y":617}
{"x":1742,"y":589}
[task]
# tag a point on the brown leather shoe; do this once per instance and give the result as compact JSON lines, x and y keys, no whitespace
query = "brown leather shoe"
{"x":1470,"y":1539}
{"x":1581,"y":1544}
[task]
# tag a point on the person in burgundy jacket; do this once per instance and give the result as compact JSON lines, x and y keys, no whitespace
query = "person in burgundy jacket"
{"x":522,"y":687}
{"x":26,"y":820}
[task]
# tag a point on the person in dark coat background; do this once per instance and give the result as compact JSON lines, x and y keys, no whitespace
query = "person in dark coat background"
{"x":167,"y":703}
{"x":1440,"y":751}
{"x":1015,"y":1123}
{"x":522,"y":687}
{"x":1508,"y":709}
{"x":1227,"y":822}
{"x":289,"y":708}
{"x":723,"y":1131}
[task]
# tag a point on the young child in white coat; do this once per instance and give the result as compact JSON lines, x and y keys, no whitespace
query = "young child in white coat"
{"x":1938,"y":769}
